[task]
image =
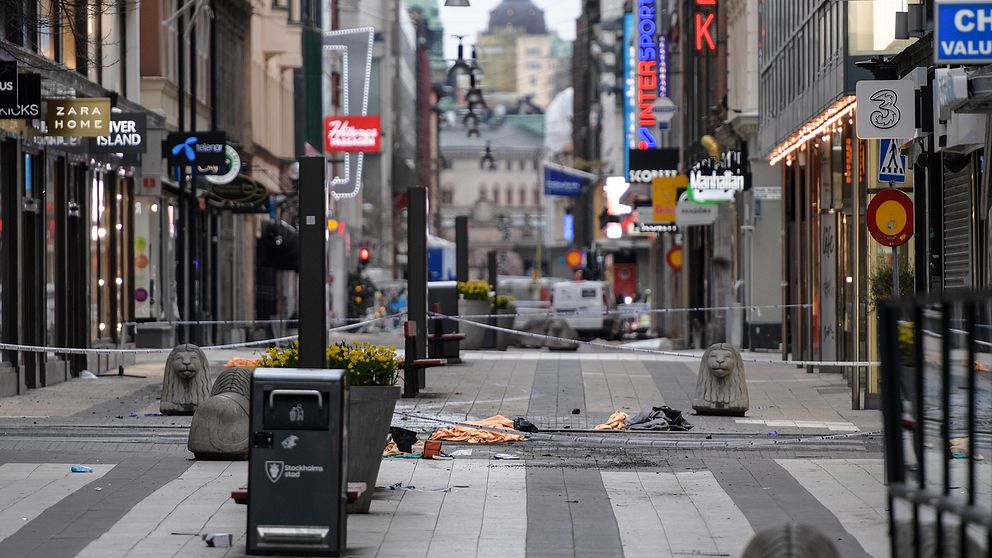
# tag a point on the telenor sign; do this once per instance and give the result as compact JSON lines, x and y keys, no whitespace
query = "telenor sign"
{"x":963,"y":32}
{"x":357,"y":134}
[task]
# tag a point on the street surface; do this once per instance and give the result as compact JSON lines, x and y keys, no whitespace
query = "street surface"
{"x":577,"y":494}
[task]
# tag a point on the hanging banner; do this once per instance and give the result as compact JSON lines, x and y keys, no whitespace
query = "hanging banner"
{"x":79,"y":117}
{"x":665,"y":196}
{"x":143,"y":256}
{"x":691,"y":214}
{"x":648,"y":164}
{"x":28,"y":99}
{"x":558,"y":181}
{"x":718,"y":180}
{"x":128,"y":131}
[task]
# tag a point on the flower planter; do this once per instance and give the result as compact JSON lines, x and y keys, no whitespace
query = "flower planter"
{"x":370,"y":412}
{"x":474,"y":336}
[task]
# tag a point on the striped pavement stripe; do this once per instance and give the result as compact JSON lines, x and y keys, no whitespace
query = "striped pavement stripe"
{"x":676,"y":514}
{"x":28,"y":489}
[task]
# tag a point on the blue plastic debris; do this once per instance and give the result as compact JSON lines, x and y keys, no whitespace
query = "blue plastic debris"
{"x":81,"y":469}
{"x":773,"y":433}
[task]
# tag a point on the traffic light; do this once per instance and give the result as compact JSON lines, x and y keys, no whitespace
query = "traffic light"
{"x":363,"y":257}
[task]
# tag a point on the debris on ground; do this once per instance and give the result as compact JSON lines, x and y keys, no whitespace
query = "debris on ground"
{"x":87,"y":375}
{"x":217,"y":539}
{"x":404,"y":438}
{"x":521,"y":424}
{"x":979,"y":366}
{"x":81,"y":469}
{"x":506,"y":456}
{"x":576,"y":411}
{"x":240,"y":362}
{"x":617,"y":421}
{"x":478,"y":436}
{"x":432,"y":449}
{"x":393,"y":450}
{"x":461,"y":453}
{"x":654,"y":418}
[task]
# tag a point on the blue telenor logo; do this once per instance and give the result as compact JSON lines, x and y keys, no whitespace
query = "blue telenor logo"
{"x":187,"y":148}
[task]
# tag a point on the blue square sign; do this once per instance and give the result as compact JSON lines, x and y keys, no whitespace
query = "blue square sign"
{"x":891,"y":162}
{"x":963,"y":32}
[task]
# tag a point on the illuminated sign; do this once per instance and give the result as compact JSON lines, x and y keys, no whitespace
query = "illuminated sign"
{"x":705,"y":26}
{"x":662,"y":66}
{"x":647,"y":73}
{"x":715,"y":181}
{"x":356,"y":134}
{"x":614,"y":188}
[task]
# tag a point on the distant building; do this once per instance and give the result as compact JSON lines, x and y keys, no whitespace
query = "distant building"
{"x":518,"y":54}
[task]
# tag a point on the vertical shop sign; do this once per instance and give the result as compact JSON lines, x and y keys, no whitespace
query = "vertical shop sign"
{"x":142,"y":257}
{"x":647,"y":73}
{"x":705,"y":26}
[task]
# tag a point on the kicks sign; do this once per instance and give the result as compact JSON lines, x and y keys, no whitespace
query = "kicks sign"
{"x":352,"y":133}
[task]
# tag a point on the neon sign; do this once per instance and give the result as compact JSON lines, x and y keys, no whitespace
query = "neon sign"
{"x":647,"y":74}
{"x":705,"y":27}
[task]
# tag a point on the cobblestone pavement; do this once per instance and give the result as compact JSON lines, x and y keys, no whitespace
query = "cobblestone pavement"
{"x":563,"y":496}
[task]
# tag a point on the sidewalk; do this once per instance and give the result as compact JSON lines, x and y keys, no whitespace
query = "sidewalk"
{"x":147,"y":498}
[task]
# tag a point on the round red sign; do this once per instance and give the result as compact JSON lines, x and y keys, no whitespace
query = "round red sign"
{"x":674,"y":258}
{"x":573,"y":258}
{"x":890,"y":218}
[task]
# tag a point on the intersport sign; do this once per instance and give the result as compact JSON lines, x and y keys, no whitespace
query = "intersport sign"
{"x":356,"y":134}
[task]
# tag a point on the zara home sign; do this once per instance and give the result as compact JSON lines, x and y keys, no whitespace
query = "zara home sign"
{"x":79,"y":117}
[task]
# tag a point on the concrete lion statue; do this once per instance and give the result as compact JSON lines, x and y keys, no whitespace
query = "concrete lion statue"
{"x":721,"y":387}
{"x":186,"y":381}
{"x":219,"y":429}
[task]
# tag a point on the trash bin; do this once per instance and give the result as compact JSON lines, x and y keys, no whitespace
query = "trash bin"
{"x":297,"y":462}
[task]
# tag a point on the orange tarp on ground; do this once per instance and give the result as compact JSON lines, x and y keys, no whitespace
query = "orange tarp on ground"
{"x":476,"y":436}
{"x":617,"y":421}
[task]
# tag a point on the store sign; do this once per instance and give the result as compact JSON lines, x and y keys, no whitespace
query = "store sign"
{"x":559,"y":182}
{"x":886,"y":109}
{"x":665,"y":196}
{"x":79,"y":117}
{"x":142,"y":281}
{"x":194,"y":148}
{"x":718,"y":180}
{"x":8,"y":84}
{"x":648,"y":164}
{"x":614,"y":189}
{"x":962,"y":32}
{"x":654,"y":228}
{"x":28,"y":99}
{"x":355,"y":134}
{"x":646,"y":76}
{"x":706,"y":25}
{"x":128,"y":131}
{"x":242,"y":192}
{"x":229,"y":170}
{"x":691,"y":214}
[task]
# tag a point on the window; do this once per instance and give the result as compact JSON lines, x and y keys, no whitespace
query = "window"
{"x":533,"y":51}
{"x":496,"y":195}
{"x":447,"y":196}
{"x":523,"y":195}
{"x":509,"y":195}
{"x":483,"y":191}
{"x":537,"y":196}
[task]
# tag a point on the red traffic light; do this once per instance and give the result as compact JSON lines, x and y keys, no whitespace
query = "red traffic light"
{"x":364,"y":255}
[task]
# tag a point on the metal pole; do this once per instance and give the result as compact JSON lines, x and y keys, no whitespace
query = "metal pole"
{"x":313,"y":264}
{"x":490,"y":342}
{"x":895,"y":272}
{"x":417,"y":265}
{"x":461,"y":248}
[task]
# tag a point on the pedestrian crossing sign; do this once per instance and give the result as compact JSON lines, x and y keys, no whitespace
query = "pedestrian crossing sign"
{"x":891,"y":162}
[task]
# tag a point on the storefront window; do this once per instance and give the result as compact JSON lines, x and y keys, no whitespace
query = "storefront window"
{"x":99,"y":257}
{"x":52,"y":175}
{"x":871,"y":27}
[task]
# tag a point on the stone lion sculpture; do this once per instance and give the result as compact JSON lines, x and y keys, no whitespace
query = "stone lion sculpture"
{"x":186,"y":382}
{"x":220,"y":425}
{"x":721,"y":387}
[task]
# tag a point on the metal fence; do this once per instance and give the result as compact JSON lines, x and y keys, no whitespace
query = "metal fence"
{"x":937,"y":405}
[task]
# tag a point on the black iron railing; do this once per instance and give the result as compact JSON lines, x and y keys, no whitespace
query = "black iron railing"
{"x":937,"y":404}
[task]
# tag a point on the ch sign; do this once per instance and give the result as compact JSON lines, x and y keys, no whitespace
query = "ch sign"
{"x":963,"y":32}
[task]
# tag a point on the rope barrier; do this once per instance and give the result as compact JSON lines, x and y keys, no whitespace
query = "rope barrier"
{"x":639,"y":441}
{"x":552,"y":314}
{"x":798,"y":363}
{"x":246,"y":344}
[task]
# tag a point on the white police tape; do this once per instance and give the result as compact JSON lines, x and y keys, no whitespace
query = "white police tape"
{"x":629,"y":312}
{"x":126,"y":351}
{"x":626,"y":348}
{"x":648,"y":441}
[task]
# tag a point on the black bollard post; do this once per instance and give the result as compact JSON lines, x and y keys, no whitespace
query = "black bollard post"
{"x":461,"y":248}
{"x":417,"y":266}
{"x":313,"y":264}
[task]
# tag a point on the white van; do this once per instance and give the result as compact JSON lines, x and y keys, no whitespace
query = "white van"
{"x":584,"y":305}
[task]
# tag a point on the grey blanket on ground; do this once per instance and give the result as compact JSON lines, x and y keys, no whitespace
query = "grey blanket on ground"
{"x":658,"y":418}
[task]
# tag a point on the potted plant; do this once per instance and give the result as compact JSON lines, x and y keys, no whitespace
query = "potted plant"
{"x":506,"y":311}
{"x":473,"y":300}
{"x":372,"y":395}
